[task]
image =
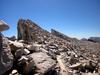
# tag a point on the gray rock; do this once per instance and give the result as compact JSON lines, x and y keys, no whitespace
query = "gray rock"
{"x":21,"y":52}
{"x":3,"y":26}
{"x":26,"y":64}
{"x":6,"y":57}
{"x":25,"y":30}
{"x":18,"y":53}
{"x":29,"y":67}
{"x":14,"y":72}
{"x":23,"y":59}
{"x":34,"y":47}
{"x":14,"y":45}
{"x":17,"y":44}
{"x":43,"y":62}
{"x":26,"y":51}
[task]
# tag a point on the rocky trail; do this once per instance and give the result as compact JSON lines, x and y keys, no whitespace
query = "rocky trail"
{"x":39,"y":52}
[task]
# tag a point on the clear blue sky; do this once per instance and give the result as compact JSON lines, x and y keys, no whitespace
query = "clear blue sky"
{"x":75,"y":18}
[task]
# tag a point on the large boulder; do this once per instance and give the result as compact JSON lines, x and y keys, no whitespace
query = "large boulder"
{"x":26,"y":64}
{"x":14,"y":45}
{"x":43,"y":62}
{"x":6,"y":57}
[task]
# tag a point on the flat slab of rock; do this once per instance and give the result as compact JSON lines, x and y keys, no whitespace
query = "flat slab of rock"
{"x":43,"y":62}
{"x":77,"y":65}
{"x":17,"y":44}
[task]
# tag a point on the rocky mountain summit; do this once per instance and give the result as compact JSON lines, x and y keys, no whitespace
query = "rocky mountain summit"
{"x":39,"y":52}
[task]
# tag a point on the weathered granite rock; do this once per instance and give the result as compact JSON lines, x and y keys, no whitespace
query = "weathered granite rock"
{"x":26,"y":51}
{"x":21,"y":52}
{"x":27,"y":65}
{"x":6,"y":57}
{"x":43,"y":62}
{"x":14,"y":45}
{"x":18,"y":53}
{"x":3,"y":26}
{"x":25,"y":30}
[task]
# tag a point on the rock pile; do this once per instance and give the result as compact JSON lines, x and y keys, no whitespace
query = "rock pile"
{"x":39,"y":52}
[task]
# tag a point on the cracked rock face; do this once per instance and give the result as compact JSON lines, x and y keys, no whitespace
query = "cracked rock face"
{"x":6,"y":57}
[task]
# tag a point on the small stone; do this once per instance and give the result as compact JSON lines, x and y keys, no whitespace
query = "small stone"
{"x":23,"y":58}
{"x":26,"y":51}
{"x":14,"y":72}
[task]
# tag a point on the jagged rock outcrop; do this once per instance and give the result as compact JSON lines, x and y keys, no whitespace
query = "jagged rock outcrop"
{"x":61,"y":35}
{"x":26,"y":30}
